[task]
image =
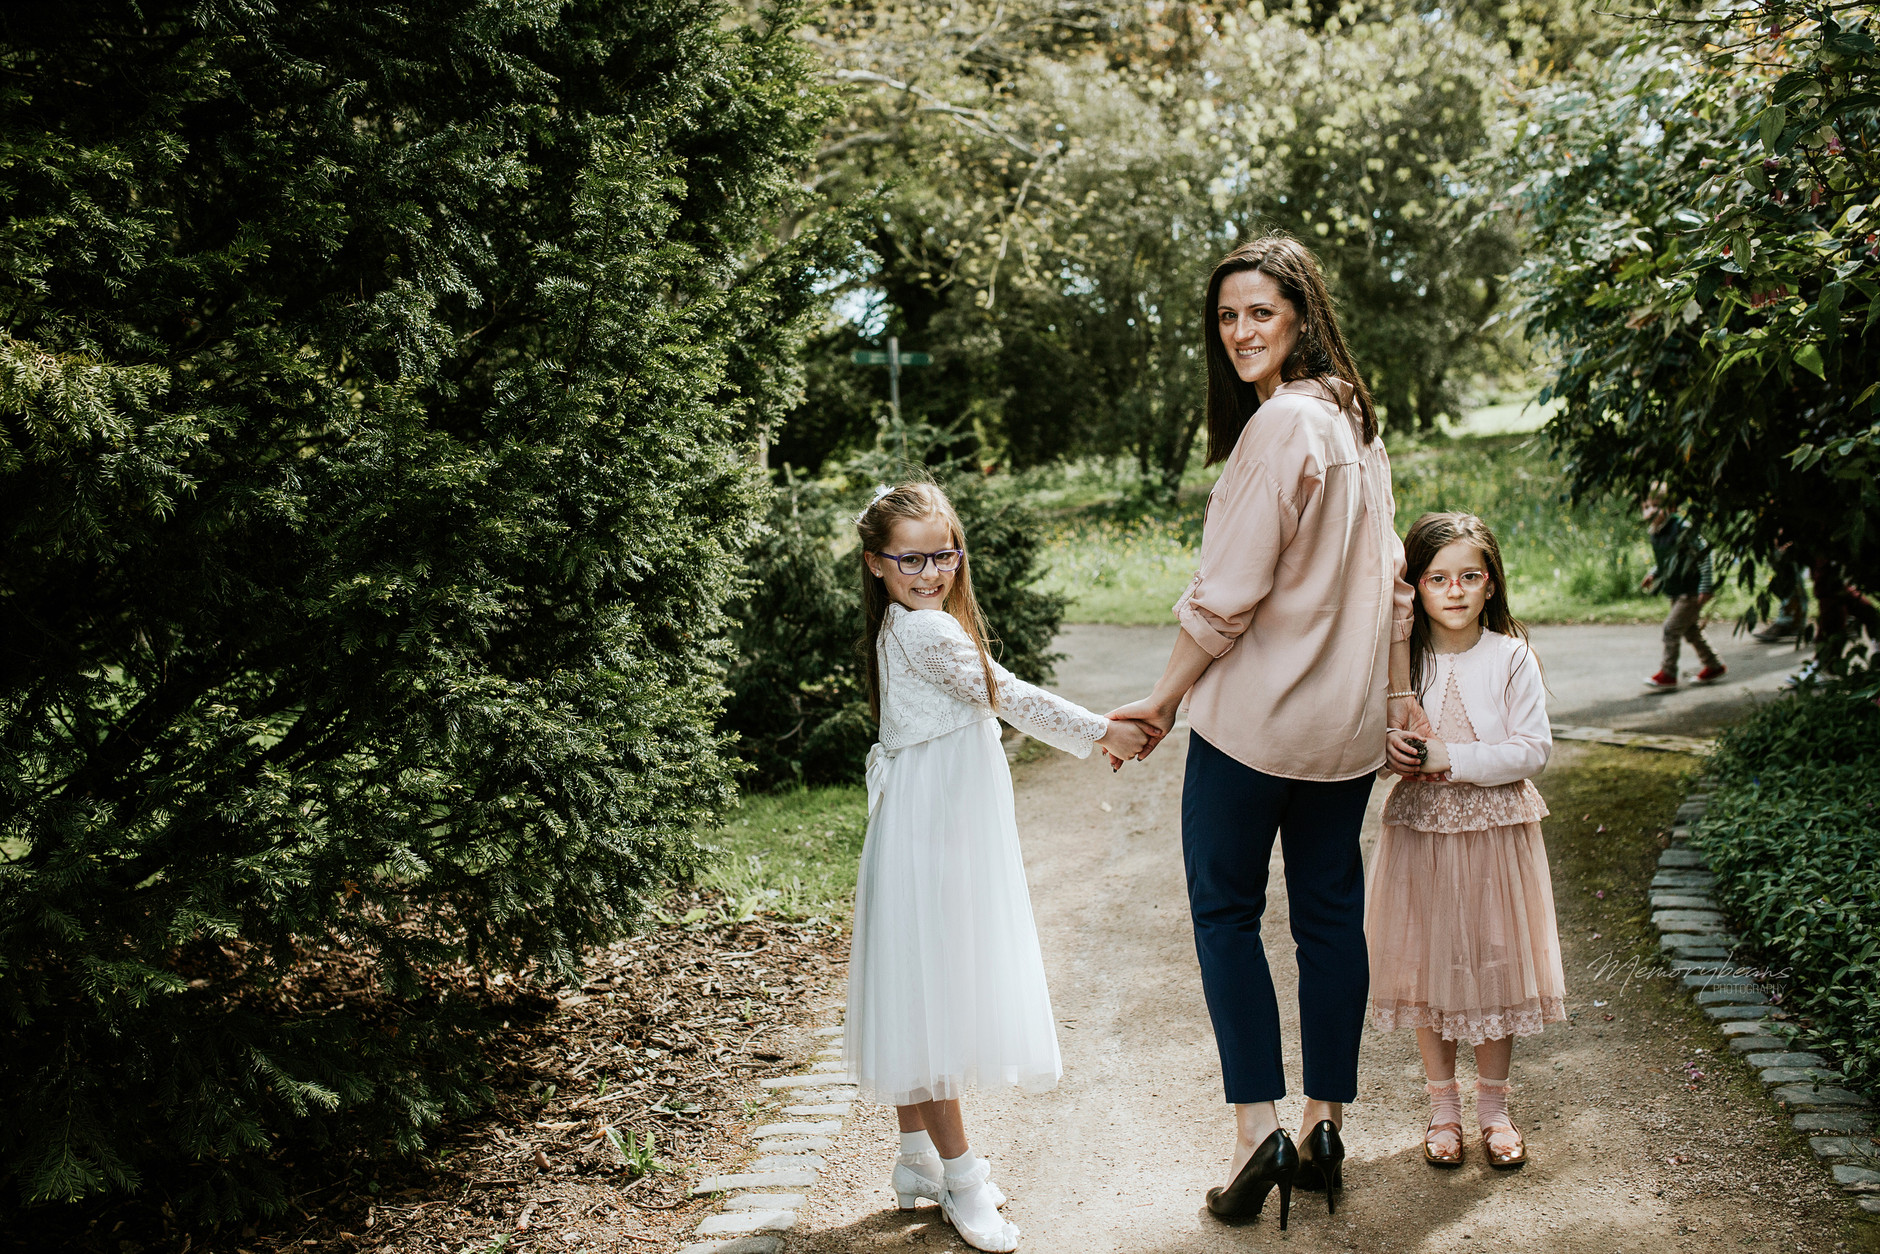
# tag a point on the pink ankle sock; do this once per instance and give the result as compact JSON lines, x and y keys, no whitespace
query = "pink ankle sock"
{"x":1445,"y":1102}
{"x":1491,"y":1103}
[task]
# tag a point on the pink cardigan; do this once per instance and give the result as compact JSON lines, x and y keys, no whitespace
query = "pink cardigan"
{"x":1300,"y":591}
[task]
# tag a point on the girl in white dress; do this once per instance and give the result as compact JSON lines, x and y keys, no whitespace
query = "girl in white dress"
{"x":946,"y":982}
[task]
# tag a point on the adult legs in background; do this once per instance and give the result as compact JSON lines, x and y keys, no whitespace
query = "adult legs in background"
{"x":1230,"y":816}
{"x":1793,"y":616}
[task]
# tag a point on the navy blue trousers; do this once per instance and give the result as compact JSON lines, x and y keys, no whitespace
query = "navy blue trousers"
{"x":1230,"y":813}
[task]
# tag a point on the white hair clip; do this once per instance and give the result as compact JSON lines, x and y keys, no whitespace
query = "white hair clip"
{"x":881,"y":490}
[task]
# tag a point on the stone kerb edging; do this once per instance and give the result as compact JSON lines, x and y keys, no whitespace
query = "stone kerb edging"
{"x":1634,"y":740}
{"x":1693,"y":936}
{"x":763,"y":1200}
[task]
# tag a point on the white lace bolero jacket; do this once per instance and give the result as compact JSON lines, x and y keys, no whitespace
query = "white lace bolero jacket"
{"x":1499,"y":680}
{"x":932,"y":682}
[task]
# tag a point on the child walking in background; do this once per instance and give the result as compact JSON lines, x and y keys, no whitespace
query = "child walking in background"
{"x":946,"y":982}
{"x":1683,"y":570}
{"x":1460,"y":909}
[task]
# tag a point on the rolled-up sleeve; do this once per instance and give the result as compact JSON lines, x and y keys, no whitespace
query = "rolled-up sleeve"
{"x":1251,"y":520}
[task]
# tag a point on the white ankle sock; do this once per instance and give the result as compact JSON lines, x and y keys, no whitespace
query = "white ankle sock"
{"x":974,"y":1201}
{"x":913,"y":1143}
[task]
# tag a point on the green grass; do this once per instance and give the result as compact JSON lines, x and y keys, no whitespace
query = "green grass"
{"x":790,"y":853}
{"x":1566,"y":563}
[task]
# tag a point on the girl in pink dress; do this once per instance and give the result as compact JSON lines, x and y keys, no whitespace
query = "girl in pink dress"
{"x":1460,"y":908}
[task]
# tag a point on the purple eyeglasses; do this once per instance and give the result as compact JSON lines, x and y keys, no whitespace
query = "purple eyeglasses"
{"x":945,"y":561}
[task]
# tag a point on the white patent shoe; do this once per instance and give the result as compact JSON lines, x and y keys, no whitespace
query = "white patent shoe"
{"x":920,"y":1175}
{"x":969,"y":1205}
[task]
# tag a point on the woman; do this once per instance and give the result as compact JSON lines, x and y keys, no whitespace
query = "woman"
{"x":1294,"y":650}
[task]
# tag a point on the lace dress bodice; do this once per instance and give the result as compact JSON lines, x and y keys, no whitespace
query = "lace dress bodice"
{"x":933,"y":682}
{"x":1443,"y":806}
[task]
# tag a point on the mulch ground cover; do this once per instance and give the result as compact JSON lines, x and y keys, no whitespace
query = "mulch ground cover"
{"x":610,"y":1099}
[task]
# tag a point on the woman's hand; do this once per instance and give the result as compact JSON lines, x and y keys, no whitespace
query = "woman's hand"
{"x":1399,"y":712}
{"x":1400,"y":755}
{"x":1153,"y":718}
{"x":1126,"y":739}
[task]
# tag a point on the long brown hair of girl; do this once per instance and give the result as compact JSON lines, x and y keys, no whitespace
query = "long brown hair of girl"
{"x":1320,"y":351}
{"x":1430,"y":535}
{"x":918,"y":502}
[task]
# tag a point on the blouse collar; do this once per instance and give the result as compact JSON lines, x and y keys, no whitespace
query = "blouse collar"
{"x":1327,"y":388}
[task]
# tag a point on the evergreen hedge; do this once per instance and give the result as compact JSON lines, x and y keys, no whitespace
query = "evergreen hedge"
{"x":371,"y":382}
{"x":1793,"y":834}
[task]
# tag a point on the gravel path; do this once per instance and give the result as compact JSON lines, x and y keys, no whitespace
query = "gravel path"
{"x":1633,"y":1150}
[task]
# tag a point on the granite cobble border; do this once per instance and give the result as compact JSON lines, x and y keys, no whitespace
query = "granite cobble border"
{"x":1700,"y":949}
{"x":761,"y":1203}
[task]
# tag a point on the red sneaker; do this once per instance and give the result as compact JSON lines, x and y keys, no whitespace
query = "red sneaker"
{"x":1663,"y":681}
{"x":1711,"y":674}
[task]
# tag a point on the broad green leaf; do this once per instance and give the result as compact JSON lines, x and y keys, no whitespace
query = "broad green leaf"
{"x":1808,"y":357}
{"x":1769,"y":126}
{"x":1853,"y":104}
{"x":1828,"y":310}
{"x":1792,"y":84}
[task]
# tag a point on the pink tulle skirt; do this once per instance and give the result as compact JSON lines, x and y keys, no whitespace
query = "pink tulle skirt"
{"x":1462,"y":934}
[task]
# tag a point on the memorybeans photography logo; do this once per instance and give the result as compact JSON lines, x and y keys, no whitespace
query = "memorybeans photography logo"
{"x":1625,"y":969}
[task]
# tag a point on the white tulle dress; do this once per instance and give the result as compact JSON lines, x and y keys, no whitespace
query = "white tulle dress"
{"x":946,"y":981}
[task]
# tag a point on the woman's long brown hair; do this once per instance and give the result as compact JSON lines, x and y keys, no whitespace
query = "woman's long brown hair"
{"x":1430,"y":535}
{"x":919,"y":502}
{"x":1320,"y":352}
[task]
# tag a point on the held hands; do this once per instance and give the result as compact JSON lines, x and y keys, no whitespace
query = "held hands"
{"x":1401,"y":756}
{"x":1127,"y":739}
{"x":1411,"y":729}
{"x":1136,"y":730}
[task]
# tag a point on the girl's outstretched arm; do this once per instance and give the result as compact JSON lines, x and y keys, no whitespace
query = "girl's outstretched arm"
{"x":940,"y":650}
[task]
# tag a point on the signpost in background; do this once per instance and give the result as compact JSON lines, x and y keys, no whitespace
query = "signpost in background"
{"x":894,"y":359}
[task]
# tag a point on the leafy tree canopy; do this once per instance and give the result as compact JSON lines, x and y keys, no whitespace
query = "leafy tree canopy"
{"x":1705,"y":262}
{"x":1062,"y":177}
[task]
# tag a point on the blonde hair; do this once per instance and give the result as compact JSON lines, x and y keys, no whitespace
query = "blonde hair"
{"x":918,"y":502}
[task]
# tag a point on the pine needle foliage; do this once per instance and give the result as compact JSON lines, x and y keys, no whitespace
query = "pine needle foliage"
{"x":372,"y":381}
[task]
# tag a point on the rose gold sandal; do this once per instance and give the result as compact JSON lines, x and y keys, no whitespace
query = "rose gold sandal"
{"x":1502,"y":1157}
{"x":1444,"y":1153}
{"x":1507,"y":1159}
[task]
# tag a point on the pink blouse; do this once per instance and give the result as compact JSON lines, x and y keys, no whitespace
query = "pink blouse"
{"x":1300,"y":591}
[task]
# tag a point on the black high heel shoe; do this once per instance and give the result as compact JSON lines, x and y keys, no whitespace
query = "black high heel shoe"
{"x":1326,"y":1168}
{"x":1276,"y":1162}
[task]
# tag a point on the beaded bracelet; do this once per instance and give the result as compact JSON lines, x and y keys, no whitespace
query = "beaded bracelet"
{"x":1392,"y":696}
